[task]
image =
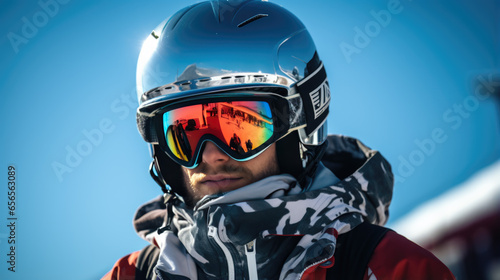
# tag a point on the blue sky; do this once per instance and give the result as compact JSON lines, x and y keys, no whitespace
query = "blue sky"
{"x":402,"y":84}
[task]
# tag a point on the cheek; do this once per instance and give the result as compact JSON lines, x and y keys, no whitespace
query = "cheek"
{"x":266,"y":164}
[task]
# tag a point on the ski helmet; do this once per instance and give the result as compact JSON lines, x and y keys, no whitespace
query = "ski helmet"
{"x":234,"y":49}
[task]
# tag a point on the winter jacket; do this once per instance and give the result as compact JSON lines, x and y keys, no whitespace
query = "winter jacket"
{"x":271,"y":229}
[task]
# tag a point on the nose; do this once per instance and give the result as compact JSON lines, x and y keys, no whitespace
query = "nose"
{"x":213,"y":155}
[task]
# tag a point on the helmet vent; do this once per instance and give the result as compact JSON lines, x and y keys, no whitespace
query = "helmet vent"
{"x":254,"y":18}
{"x":226,"y":80}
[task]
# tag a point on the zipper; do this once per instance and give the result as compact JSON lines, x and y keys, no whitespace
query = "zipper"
{"x":311,"y":265}
{"x":212,"y":232}
{"x":250,"y":250}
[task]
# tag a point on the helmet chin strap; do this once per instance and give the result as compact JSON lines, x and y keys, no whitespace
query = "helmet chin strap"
{"x":156,"y":175}
{"x":166,"y":173}
{"x":169,"y":198}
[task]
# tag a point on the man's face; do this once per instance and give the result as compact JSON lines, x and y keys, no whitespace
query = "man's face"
{"x":219,"y":173}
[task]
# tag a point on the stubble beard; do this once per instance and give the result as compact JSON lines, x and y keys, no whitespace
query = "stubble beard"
{"x":192,"y":182}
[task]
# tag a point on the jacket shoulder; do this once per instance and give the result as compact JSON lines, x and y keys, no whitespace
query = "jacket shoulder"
{"x":354,"y":250}
{"x":124,"y":268}
{"x":136,"y":266}
{"x":396,"y":257}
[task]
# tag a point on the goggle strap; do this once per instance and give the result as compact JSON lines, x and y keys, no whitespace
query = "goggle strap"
{"x":296,"y":116}
{"x":315,"y":93}
{"x":146,"y":128}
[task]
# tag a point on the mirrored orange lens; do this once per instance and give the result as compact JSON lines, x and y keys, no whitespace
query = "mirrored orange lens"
{"x":241,"y":125}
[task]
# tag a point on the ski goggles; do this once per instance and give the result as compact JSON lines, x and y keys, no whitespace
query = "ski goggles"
{"x":242,"y":125}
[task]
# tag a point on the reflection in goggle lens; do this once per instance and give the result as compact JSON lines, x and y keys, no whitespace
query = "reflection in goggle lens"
{"x":241,"y":125}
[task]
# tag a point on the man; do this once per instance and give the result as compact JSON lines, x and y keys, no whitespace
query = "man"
{"x":249,"y":144}
{"x":295,"y":206}
{"x":235,"y":142}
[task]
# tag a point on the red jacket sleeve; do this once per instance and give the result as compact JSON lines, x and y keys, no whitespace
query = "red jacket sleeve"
{"x":124,"y":268}
{"x":396,"y":257}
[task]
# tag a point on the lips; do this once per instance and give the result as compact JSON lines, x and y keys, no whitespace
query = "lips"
{"x":220,"y":182}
